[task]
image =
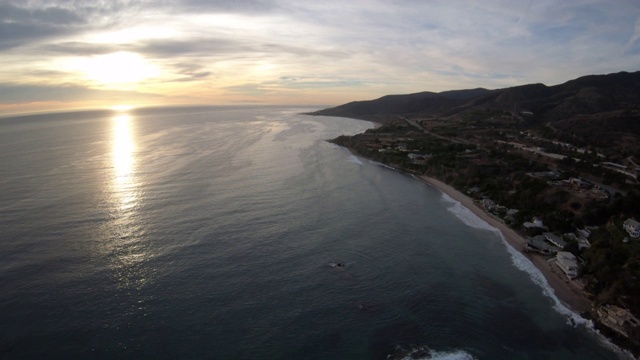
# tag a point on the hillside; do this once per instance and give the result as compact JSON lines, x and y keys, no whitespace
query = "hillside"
{"x":598,"y":110}
{"x":423,"y":102}
{"x":586,"y":95}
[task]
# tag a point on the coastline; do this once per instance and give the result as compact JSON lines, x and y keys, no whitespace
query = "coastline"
{"x":565,"y":290}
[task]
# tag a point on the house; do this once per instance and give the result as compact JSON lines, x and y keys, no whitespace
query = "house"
{"x":632,"y":227}
{"x":418,"y":158}
{"x":555,"y":240}
{"x":488,"y":204}
{"x":568,"y":263}
{"x":585,"y":233}
{"x":583,"y":244}
{"x":582,"y":184}
{"x":473,"y":190}
{"x":618,"y":319}
{"x":537,"y":244}
{"x":535,"y":223}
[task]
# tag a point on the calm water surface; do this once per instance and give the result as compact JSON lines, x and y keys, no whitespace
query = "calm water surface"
{"x":211,"y":233}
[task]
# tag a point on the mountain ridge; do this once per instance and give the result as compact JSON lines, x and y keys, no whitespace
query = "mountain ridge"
{"x":585,"y":95}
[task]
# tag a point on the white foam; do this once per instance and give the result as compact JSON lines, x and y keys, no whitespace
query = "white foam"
{"x":438,"y":355}
{"x":454,"y":355}
{"x":383,"y":165}
{"x":467,"y":216}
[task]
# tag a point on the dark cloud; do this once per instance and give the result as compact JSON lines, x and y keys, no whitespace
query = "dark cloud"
{"x":152,"y":48}
{"x":22,"y":23}
{"x":190,"y":72}
{"x":82,"y":48}
{"x":193,"y":77}
{"x":203,"y":47}
{"x":226,"y":6}
{"x":48,"y":15}
{"x":21,"y":94}
{"x":299,"y":51}
{"x":19,"y":25}
{"x":220,"y":47}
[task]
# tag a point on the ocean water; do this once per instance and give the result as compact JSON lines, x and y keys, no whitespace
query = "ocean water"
{"x":215,"y":232}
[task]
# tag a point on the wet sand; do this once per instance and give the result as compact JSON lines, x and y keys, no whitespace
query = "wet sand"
{"x":567,"y":291}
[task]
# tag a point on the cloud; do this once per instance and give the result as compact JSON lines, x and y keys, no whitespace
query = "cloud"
{"x":21,"y":93}
{"x":219,"y":49}
{"x":81,"y":48}
{"x":190,"y":72}
{"x":199,"y":46}
{"x":225,"y":6}
{"x":23,"y":23}
{"x":634,"y":36}
{"x":19,"y":25}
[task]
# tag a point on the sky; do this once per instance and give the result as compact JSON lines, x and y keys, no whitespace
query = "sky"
{"x":72,"y":54}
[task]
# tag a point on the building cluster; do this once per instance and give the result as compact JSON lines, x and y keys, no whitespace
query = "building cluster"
{"x":549,"y":244}
{"x":618,"y":319}
{"x":552,"y":244}
{"x":584,"y":188}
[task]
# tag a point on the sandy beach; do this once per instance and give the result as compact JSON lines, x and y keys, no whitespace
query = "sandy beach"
{"x":568,"y":292}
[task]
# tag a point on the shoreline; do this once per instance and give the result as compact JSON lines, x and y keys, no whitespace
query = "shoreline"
{"x":567,"y":291}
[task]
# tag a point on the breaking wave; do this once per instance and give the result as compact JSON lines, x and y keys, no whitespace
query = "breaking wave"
{"x":426,"y":353}
{"x":467,"y":216}
{"x":522,"y":263}
{"x":355,"y":160}
{"x":517,"y":258}
{"x":383,"y":165}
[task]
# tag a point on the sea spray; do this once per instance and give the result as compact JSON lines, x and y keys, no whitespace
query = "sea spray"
{"x":354,"y":159}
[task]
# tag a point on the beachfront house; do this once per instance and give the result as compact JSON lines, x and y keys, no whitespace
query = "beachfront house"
{"x":632,"y":227}
{"x":583,"y":244}
{"x":534,"y":224}
{"x":488,"y":204}
{"x":555,"y":239}
{"x":538,"y":223}
{"x":568,"y":263}
{"x":511,"y":214}
{"x":538,"y":244}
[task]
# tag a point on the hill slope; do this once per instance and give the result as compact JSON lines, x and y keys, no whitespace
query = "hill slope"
{"x":586,"y":95}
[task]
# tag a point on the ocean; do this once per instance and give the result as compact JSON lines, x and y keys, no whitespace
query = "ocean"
{"x":241,"y":233}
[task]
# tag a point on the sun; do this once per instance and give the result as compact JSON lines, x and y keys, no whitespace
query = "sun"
{"x":119,"y":68}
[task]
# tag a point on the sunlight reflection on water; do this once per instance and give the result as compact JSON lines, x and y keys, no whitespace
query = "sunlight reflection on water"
{"x":124,"y":162}
{"x":129,"y":250}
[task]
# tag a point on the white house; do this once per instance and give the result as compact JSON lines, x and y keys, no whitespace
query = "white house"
{"x":568,"y":263}
{"x":535,"y":223}
{"x":632,"y":227}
